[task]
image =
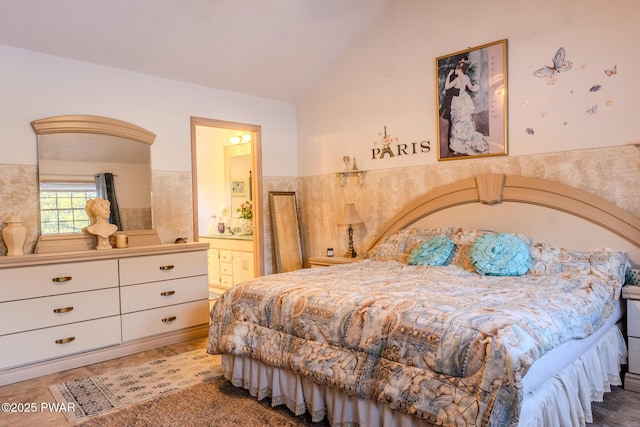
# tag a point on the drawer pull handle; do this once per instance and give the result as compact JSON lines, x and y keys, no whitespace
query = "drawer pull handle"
{"x":61,"y":279}
{"x":166,"y":267}
{"x":62,"y":310}
{"x":65,"y":340}
{"x":169,"y":319}
{"x":167,"y":293}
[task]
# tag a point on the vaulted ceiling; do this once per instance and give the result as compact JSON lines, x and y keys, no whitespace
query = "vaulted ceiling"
{"x":269,"y":48}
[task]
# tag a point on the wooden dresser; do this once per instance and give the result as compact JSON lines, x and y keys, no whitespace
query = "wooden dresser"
{"x":61,"y":311}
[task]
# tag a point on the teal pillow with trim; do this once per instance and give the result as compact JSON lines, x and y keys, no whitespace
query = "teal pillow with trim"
{"x":633,"y":277}
{"x":437,"y":250}
{"x":500,"y":254}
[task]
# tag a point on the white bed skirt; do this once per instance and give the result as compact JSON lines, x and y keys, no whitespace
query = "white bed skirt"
{"x":564,"y":400}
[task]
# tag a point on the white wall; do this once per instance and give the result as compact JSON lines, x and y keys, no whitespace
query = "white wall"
{"x":35,"y":86}
{"x":388,"y":79}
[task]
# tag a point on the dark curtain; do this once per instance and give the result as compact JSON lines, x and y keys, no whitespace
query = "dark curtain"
{"x":105,"y":189}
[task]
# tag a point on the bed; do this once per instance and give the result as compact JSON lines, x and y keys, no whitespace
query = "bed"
{"x":491,"y":301}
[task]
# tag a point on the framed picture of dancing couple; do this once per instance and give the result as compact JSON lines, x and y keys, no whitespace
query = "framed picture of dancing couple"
{"x":472,"y":102}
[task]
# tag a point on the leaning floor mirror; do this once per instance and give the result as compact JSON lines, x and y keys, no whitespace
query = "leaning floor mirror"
{"x":287,"y":245}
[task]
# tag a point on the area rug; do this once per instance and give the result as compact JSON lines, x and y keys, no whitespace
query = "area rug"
{"x":215,"y":403}
{"x":99,"y":394}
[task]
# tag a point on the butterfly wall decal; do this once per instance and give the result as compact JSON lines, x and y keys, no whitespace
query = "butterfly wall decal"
{"x":611,"y":71}
{"x":560,"y":64}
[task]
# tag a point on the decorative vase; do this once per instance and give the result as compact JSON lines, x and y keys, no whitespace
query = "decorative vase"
{"x":221,"y":227}
{"x":14,"y":235}
{"x":247,"y":226}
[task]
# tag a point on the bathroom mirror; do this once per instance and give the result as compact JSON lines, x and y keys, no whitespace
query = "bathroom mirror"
{"x":72,"y":150}
{"x":285,"y":225}
{"x":237,"y":175}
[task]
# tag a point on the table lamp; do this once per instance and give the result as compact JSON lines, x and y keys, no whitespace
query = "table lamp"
{"x":350,"y":218}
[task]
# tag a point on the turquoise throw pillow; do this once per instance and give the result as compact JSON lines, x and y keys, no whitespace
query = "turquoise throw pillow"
{"x":633,"y":277}
{"x":500,"y":254}
{"x":434,"y":251}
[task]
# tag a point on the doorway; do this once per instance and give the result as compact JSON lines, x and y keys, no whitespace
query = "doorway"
{"x":217,"y":146}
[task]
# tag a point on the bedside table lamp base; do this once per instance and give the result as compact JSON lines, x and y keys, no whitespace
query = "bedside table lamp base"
{"x":350,"y":217}
{"x":351,"y":252}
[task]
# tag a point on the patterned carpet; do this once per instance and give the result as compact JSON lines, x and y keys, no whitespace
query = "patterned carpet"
{"x":214,"y":403}
{"x":99,"y":394}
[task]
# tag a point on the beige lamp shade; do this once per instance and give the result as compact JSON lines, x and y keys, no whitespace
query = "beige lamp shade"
{"x":350,"y":216}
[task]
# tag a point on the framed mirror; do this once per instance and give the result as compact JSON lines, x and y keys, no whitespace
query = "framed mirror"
{"x":237,"y":175}
{"x":285,"y":225}
{"x":77,"y":155}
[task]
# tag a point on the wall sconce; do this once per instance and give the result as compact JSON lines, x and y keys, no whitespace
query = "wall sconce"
{"x":350,"y":218}
{"x":240,"y":138}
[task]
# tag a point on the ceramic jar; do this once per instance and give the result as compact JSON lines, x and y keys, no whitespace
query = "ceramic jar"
{"x":14,"y":235}
{"x":247,"y":226}
{"x":122,"y":240}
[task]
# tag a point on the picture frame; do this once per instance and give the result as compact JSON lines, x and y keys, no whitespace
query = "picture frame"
{"x":238,"y":187}
{"x":471,"y":102}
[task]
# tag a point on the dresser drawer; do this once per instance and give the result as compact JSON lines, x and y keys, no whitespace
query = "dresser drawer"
{"x":226,"y":269}
{"x":226,"y":281}
{"x":33,"y":346}
{"x":633,"y":318}
{"x":43,"y":280}
{"x":165,"y":319}
{"x":226,"y":256}
{"x":162,"y":267}
{"x":160,"y":294}
{"x":634,"y":355}
{"x":36,"y":313}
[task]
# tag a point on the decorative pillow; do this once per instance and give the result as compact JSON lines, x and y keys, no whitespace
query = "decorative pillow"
{"x":463,"y":239}
{"x":397,"y":246}
{"x":500,"y":254}
{"x":548,"y":259}
{"x":435,"y":251}
{"x":633,"y":277}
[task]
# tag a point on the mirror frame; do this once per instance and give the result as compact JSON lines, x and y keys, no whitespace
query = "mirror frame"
{"x":287,"y":252}
{"x":94,"y":125}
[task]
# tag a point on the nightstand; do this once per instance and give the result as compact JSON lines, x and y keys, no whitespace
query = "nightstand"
{"x":632,"y":378}
{"x":326,"y":261}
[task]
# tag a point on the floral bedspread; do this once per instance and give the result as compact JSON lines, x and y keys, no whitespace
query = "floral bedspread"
{"x":442,"y":343}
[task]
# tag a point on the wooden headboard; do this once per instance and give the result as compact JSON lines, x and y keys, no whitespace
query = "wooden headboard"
{"x":546,"y":211}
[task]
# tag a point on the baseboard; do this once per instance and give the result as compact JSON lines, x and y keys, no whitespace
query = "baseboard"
{"x":22,"y":373}
{"x":632,"y":382}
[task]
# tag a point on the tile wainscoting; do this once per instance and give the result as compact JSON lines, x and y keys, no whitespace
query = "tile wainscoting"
{"x":612,"y":173}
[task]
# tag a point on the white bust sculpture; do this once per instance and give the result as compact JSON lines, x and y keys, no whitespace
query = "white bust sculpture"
{"x":98,"y":211}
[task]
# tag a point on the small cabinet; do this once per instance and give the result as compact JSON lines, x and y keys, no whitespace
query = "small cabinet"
{"x":213,"y":265}
{"x":242,"y":267}
{"x":632,"y":378}
{"x":326,"y":261}
{"x":230,"y":260}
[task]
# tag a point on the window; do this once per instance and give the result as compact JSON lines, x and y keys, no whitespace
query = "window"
{"x":62,"y":206}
